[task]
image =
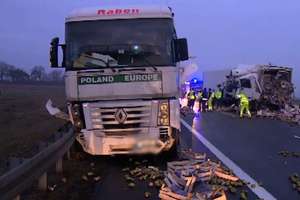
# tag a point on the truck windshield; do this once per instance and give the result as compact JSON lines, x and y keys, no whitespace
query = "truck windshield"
{"x":109,"y":43}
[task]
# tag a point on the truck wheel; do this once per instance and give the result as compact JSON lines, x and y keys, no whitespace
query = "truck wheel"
{"x":175,"y":149}
{"x":76,"y":147}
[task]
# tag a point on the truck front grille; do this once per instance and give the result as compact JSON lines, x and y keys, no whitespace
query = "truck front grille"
{"x":119,"y":119}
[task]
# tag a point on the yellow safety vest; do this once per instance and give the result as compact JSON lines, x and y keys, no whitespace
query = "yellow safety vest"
{"x":191,"y":95}
{"x":218,"y":94}
{"x":200,"y":95}
{"x":212,"y":96}
{"x":243,"y":98}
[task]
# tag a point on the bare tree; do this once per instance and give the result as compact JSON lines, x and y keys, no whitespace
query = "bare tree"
{"x":17,"y":75}
{"x":38,"y":73}
{"x":55,"y":75}
{"x":4,"y":70}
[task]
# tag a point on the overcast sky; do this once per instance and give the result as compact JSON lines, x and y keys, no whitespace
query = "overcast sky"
{"x":221,"y":33}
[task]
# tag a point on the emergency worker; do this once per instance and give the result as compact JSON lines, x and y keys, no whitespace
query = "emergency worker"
{"x":199,"y":98}
{"x":210,"y":101}
{"x":209,"y":92}
{"x":218,"y":98}
{"x":244,"y":104}
{"x":191,"y":99}
{"x":204,"y":100}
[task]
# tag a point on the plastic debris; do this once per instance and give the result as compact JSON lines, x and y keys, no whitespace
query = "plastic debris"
{"x":131,"y":184}
{"x":54,"y":111}
{"x":51,"y":188}
{"x":90,"y":173}
{"x":84,"y":177}
{"x":147,"y":194}
{"x":64,"y":180}
{"x":97,"y":178}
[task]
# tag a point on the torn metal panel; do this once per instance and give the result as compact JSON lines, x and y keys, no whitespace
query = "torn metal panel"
{"x":54,"y":111}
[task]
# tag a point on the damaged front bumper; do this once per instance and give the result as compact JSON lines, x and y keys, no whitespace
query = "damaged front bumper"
{"x":99,"y":143}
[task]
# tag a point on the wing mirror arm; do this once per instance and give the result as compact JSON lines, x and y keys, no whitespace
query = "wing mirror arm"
{"x":54,"y":44}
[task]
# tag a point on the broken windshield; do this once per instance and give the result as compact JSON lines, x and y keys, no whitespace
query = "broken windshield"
{"x":109,"y":43}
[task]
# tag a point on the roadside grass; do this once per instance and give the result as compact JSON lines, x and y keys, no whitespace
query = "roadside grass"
{"x":23,"y":117}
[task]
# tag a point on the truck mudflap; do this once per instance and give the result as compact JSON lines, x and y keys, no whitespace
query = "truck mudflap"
{"x":97,"y":144}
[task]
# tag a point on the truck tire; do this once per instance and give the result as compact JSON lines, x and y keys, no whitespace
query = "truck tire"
{"x":76,"y":147}
{"x":174,"y":151}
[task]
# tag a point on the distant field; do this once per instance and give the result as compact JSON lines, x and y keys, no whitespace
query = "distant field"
{"x":23,"y":117}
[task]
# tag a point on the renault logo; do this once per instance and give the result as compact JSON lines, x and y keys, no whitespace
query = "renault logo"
{"x":121,"y":116}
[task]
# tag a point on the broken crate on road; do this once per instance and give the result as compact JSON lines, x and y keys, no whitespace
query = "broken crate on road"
{"x":189,"y":179}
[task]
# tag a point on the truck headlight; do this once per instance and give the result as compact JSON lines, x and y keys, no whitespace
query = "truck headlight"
{"x":77,"y":115}
{"x":163,"y":113}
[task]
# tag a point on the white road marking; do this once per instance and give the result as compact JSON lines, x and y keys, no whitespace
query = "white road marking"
{"x":258,"y":190}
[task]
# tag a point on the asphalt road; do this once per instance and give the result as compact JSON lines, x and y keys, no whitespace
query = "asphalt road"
{"x":253,"y":145}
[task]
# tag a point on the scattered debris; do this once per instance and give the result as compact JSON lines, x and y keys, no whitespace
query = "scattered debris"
{"x":64,"y":180}
{"x":90,"y":173}
{"x":97,"y":178}
{"x":131,"y":184}
{"x":243,"y":195}
{"x":147,"y":194}
{"x":128,"y":178}
{"x":137,"y":163}
{"x":182,"y":177}
{"x":260,"y":183}
{"x":295,"y":181}
{"x":296,"y":136}
{"x":54,"y":111}
{"x":51,"y":188}
{"x":289,"y":154}
{"x":193,"y":177}
{"x":84,"y":177}
{"x":125,"y":169}
{"x":151,"y":184}
{"x":290,"y":113}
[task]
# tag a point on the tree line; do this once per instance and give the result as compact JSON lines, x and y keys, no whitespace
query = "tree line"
{"x":11,"y":73}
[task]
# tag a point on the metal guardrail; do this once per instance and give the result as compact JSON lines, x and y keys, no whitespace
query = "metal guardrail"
{"x":23,"y":175}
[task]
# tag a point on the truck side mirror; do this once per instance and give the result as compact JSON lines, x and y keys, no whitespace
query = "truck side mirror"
{"x":54,"y":52}
{"x":181,"y":49}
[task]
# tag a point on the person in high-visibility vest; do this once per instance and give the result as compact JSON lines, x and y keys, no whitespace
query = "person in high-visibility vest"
{"x":210,"y":101}
{"x":244,"y":104}
{"x":199,"y":98}
{"x":191,"y":99}
{"x":218,"y":98}
{"x":204,"y":100}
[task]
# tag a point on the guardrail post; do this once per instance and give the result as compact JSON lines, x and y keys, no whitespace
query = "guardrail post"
{"x":59,"y":165}
{"x":42,"y":184}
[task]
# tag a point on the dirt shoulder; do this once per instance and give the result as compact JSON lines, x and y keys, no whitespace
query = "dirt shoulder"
{"x":23,"y":117}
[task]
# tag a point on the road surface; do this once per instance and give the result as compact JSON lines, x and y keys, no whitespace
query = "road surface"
{"x":252,"y":147}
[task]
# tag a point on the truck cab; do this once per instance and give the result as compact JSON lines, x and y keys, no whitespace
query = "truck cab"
{"x":269,"y":85}
{"x":122,"y":78}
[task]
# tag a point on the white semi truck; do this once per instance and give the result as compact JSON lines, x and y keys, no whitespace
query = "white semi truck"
{"x":265,"y":85}
{"x":122,"y":78}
